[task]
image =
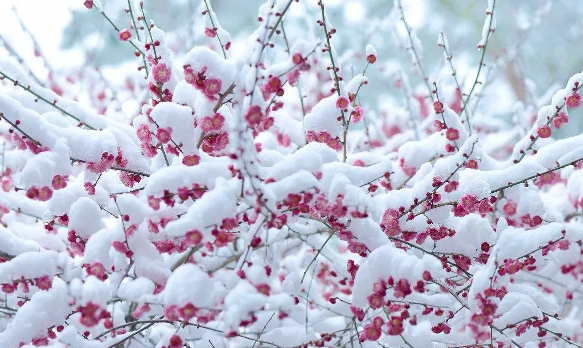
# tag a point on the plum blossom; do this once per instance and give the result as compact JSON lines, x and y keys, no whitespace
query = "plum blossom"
{"x":161,"y":73}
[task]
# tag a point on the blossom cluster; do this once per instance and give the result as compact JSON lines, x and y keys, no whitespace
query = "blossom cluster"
{"x":261,"y":195}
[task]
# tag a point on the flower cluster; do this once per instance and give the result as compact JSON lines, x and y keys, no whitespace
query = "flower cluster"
{"x":295,"y":188}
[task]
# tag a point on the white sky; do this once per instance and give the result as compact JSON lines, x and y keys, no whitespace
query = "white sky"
{"x":44,"y":18}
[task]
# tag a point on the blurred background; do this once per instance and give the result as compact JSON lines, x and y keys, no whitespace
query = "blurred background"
{"x":535,"y":49}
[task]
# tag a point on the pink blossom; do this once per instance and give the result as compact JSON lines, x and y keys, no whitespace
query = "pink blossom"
{"x":175,"y":342}
{"x":189,"y":75}
{"x":44,"y":283}
{"x":544,"y":131}
{"x":206,"y":124}
{"x":161,"y":73}
{"x":402,"y":288}
{"x":124,"y":35}
{"x":144,"y":133}
{"x":371,"y":333}
{"x":561,"y":119}
{"x":395,"y":326}
{"x":44,"y":194}
{"x":342,"y":103}
{"x":510,"y":208}
{"x":452,"y":134}
{"x":218,"y":121}
{"x":191,"y":160}
{"x":163,"y":135}
{"x":7,"y":183}
{"x":297,"y":58}
{"x":357,"y":114}
{"x":573,"y":101}
{"x":8,"y":288}
{"x":438,"y":107}
{"x":193,"y":238}
{"x":292,"y":77}
{"x":90,"y":314}
{"x":210,"y":32}
{"x":254,"y":116}
{"x":96,"y":269}
{"x":212,"y":86}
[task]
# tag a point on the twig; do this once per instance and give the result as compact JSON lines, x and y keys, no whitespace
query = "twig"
{"x":415,"y":54}
{"x":336,"y":78}
{"x":466,"y":102}
{"x":317,"y":254}
{"x":209,"y":12}
{"x":39,"y":97}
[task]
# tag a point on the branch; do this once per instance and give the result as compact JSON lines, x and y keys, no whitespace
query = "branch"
{"x":466,"y":102}
{"x":39,"y":97}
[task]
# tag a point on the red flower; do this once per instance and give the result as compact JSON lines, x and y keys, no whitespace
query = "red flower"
{"x":573,"y":101}
{"x":402,"y":288}
{"x":357,"y":114}
{"x":210,"y":32}
{"x":452,"y":134}
{"x":8,"y":288}
{"x":44,"y":194}
{"x":187,"y":311}
{"x":96,"y":269}
{"x":438,"y":107}
{"x":395,"y":326}
{"x":161,"y":73}
{"x":44,"y":283}
{"x":212,"y":87}
{"x":59,"y":182}
{"x":124,"y":35}
{"x":371,"y":332}
{"x":342,"y":103}
{"x":193,"y":237}
{"x":191,"y":160}
{"x":254,"y":116}
{"x":544,"y":131}
{"x":163,"y":135}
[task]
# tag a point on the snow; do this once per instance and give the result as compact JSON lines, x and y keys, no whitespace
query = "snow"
{"x":46,"y":263}
{"x":10,"y":244}
{"x":85,"y":217}
{"x":209,"y":210}
{"x":310,"y":158}
{"x":322,"y":116}
{"x":291,"y":284}
{"x":44,"y":310}
{"x":189,"y":284}
{"x":289,"y":337}
{"x":280,"y":216}
{"x":389,"y":261}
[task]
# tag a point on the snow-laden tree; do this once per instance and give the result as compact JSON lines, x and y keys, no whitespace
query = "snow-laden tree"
{"x":271,"y":190}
